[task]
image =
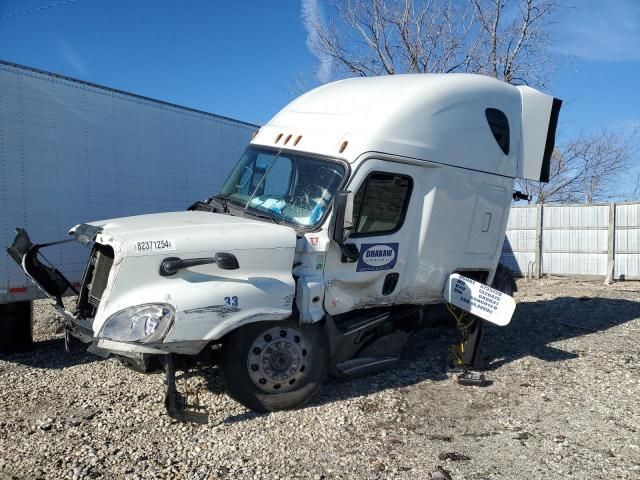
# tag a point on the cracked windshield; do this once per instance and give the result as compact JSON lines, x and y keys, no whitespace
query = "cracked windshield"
{"x":290,"y":188}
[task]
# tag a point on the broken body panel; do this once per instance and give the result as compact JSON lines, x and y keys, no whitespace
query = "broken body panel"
{"x":205,"y":297}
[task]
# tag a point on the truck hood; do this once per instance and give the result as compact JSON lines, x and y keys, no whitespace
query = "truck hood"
{"x":162,"y":234}
{"x":185,"y":232}
{"x":207,"y":297}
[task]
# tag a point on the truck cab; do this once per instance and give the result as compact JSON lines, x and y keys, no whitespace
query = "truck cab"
{"x":333,"y":239}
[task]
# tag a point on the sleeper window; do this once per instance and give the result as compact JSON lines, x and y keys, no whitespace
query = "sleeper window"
{"x":380,"y":204}
{"x":499,"y":127}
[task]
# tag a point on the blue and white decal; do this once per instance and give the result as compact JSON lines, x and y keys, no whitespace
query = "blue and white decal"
{"x":377,"y":256}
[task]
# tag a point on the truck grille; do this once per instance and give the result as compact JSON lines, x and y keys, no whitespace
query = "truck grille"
{"x":94,"y":280}
{"x":101,"y":271}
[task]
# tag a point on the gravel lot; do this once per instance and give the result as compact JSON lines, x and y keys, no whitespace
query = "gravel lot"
{"x":564,"y":403}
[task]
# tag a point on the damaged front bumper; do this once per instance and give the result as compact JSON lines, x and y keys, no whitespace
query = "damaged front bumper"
{"x":55,"y":285}
{"x":80,"y":322}
{"x":50,"y":280}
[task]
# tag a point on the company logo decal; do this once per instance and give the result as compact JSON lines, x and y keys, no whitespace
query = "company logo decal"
{"x":377,"y":256}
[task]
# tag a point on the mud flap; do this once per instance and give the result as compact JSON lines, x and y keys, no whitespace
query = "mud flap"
{"x":46,"y":277}
{"x":470,"y":348}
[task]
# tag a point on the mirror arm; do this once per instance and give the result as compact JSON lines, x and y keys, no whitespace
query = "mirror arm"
{"x":350,"y":252}
{"x":339,"y":233}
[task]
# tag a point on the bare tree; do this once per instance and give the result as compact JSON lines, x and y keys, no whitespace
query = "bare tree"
{"x":586,"y":169}
{"x":501,"y":38}
{"x":505,"y":39}
{"x":635,"y":193}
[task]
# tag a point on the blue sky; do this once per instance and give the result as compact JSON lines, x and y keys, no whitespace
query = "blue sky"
{"x":243,"y":58}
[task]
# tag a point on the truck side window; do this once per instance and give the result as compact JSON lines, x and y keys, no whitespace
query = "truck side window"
{"x":380,"y":204}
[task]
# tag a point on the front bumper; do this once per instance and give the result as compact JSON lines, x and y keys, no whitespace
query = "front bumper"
{"x":54,"y":284}
{"x":131,"y":349}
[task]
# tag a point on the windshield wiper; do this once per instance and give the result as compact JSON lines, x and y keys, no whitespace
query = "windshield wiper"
{"x":207,"y":206}
{"x":202,"y":206}
{"x":254,"y":213}
{"x":223,"y":201}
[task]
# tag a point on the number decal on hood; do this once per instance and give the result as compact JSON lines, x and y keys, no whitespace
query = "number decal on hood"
{"x":157,"y":245}
{"x":231,"y":301}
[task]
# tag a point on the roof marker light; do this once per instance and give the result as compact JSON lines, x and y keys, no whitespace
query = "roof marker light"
{"x":343,"y":146}
{"x":278,"y":137}
{"x":298,"y":138}
{"x":286,"y":140}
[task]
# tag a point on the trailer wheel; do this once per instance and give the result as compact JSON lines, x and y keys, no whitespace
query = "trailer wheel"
{"x":275,"y":365}
{"x":503,"y":280}
{"x":16,"y":327}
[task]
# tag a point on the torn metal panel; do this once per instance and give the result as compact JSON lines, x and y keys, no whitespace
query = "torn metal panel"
{"x":221,"y":311}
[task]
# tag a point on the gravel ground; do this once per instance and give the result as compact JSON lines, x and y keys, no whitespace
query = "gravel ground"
{"x":564,"y":403}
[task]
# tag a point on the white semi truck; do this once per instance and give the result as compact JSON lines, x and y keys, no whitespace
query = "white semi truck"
{"x":354,"y":215}
{"x":72,"y":150}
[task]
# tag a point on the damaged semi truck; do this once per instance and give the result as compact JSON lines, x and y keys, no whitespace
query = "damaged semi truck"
{"x":354,"y":215}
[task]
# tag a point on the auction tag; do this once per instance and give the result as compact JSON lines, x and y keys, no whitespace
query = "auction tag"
{"x":476,"y":298}
{"x":152,"y":246}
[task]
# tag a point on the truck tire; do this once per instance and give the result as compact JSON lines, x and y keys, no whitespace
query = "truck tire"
{"x":503,"y":280}
{"x":275,"y":365}
{"x":16,"y":327}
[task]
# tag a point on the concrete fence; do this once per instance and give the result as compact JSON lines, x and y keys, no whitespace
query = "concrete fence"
{"x":579,"y":239}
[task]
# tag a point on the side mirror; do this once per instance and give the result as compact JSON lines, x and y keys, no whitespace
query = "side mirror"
{"x":341,"y":224}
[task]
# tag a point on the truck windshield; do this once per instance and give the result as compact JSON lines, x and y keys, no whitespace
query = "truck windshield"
{"x":287,"y":187}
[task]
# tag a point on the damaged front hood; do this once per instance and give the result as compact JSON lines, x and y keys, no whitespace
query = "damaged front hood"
{"x":185,"y":232}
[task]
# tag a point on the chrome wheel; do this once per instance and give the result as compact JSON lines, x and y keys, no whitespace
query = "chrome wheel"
{"x":278,"y":359}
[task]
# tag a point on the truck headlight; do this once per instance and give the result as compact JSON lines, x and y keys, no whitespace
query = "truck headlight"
{"x":142,"y":323}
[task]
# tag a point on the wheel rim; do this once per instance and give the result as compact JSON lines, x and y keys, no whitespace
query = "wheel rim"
{"x":278,"y":359}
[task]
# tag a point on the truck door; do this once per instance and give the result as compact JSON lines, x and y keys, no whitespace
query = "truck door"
{"x":382,"y":227}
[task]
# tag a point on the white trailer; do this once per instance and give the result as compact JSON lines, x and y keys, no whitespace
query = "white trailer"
{"x":72,"y":150}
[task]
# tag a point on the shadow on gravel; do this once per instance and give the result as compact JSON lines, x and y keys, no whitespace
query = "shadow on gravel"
{"x":537,"y":324}
{"x":50,"y":354}
{"x":534,"y":326}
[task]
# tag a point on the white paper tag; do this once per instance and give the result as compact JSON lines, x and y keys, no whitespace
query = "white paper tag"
{"x":152,"y":246}
{"x":476,"y":298}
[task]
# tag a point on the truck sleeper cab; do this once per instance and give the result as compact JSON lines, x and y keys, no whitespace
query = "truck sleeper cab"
{"x":331,"y":241}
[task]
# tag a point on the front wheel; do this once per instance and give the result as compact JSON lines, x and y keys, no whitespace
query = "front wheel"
{"x":275,"y":365}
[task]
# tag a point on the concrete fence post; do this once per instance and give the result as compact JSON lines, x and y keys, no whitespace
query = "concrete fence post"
{"x":611,"y":244}
{"x":539,"y":240}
